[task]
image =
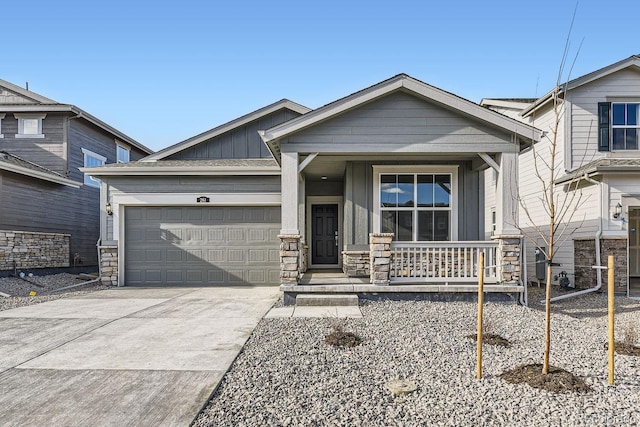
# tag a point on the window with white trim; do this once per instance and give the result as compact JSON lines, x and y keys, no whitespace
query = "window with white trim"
{"x":625,"y":125}
{"x":416,"y":205}
{"x":29,"y":125}
{"x":92,"y":159}
{"x":122,"y":154}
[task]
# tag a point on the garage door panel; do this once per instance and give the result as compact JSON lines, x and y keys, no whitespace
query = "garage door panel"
{"x":202,"y":245}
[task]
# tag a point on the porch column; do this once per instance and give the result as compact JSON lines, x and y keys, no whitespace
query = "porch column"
{"x":290,"y":189}
{"x":507,"y":196}
{"x":290,"y":251}
{"x":290,"y":239}
{"x":380,"y":258}
{"x":509,"y":252}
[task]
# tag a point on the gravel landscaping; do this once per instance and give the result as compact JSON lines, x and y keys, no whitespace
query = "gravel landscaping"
{"x":287,"y":375}
{"x":47,"y":288}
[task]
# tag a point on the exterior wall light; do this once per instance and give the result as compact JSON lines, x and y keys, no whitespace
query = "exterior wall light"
{"x":618,"y":211}
{"x":109,"y":209}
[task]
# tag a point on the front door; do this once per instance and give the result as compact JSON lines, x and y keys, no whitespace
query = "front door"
{"x":324,"y":234}
{"x":634,"y":242}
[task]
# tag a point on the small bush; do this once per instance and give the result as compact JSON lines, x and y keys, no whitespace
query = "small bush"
{"x":340,"y":338}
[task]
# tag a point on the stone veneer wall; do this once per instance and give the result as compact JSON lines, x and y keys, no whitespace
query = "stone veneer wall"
{"x":380,"y":253}
{"x":290,"y":258}
{"x":356,"y":263}
{"x":509,"y":256}
{"x":30,"y":249}
{"x":584,"y":256}
{"x":109,"y":265}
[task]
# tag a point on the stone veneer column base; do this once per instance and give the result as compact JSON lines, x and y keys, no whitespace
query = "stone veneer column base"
{"x":356,"y":263}
{"x":380,"y":258}
{"x":508,"y":258}
{"x":290,"y":251}
{"x":109,"y":265}
{"x":584,"y":256}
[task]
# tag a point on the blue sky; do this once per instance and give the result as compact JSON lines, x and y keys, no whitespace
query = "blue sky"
{"x":164,"y":71}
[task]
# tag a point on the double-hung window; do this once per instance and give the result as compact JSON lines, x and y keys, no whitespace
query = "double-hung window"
{"x":417,"y":206}
{"x":92,"y":159}
{"x":625,"y":122}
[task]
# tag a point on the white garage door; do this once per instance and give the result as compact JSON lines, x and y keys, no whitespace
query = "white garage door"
{"x":195,"y":246}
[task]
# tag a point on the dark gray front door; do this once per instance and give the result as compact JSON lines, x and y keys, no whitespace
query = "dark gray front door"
{"x":324,"y":234}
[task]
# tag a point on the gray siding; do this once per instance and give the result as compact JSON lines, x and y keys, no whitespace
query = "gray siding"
{"x":48,"y":152}
{"x":240,"y":143}
{"x":9,"y":97}
{"x":400,"y":119}
{"x":358,"y":208}
{"x":194,"y":184}
{"x":37,"y":205}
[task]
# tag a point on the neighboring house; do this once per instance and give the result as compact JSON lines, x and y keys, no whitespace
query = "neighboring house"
{"x":599,"y":151}
{"x":49,"y":210}
{"x":385,"y":184}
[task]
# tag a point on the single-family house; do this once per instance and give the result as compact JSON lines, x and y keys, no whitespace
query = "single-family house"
{"x":598,"y":159}
{"x":383,"y":186}
{"x":49,"y":210}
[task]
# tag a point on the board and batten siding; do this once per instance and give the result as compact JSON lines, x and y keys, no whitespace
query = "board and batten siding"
{"x":48,"y":152}
{"x":358,"y":208}
{"x":400,"y":119}
{"x":119,"y":185}
{"x":240,"y":143}
{"x":623,"y":85}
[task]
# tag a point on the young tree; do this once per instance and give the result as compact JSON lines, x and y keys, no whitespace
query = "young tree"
{"x":559,"y":204}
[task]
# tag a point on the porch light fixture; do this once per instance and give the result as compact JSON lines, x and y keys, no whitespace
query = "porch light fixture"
{"x":109,"y":209}
{"x":324,"y":177}
{"x":618,"y":211}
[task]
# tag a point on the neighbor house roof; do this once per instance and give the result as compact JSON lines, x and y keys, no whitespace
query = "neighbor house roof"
{"x":189,"y":167}
{"x":633,"y":61}
{"x":219,"y":130}
{"x":404,"y":82}
{"x":602,"y":166}
{"x":42,"y":104}
{"x":15,"y":164}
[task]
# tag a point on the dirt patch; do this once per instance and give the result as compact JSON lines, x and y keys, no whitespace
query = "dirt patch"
{"x":557,"y":380}
{"x":624,"y":349}
{"x":341,"y":338}
{"x":492,"y":339}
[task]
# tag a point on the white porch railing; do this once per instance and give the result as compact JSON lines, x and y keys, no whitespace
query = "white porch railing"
{"x":442,"y":261}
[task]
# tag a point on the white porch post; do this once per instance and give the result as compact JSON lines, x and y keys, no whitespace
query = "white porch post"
{"x":507,"y":221}
{"x":290,"y":245}
{"x":290,"y":183}
{"x":507,"y":195}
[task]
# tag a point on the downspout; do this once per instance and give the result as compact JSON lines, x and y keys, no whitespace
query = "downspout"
{"x":524,"y":295}
{"x":598,"y":265}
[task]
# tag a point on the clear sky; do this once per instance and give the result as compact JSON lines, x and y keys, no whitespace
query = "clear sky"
{"x":163,"y":71}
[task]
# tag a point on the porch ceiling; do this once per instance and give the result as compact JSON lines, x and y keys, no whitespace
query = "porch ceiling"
{"x":333,"y":166}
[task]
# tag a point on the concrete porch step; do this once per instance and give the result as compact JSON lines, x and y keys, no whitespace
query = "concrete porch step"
{"x":326,"y":300}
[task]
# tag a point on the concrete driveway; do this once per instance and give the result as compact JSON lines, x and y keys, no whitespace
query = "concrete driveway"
{"x":123,"y":357}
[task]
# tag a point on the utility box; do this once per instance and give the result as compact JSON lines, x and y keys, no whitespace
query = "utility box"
{"x":541,"y":264}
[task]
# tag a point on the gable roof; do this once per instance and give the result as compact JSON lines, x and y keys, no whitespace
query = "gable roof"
{"x":45,"y":105}
{"x":631,"y":62}
{"x":15,"y":164}
{"x":226,"y":127}
{"x":404,"y":82}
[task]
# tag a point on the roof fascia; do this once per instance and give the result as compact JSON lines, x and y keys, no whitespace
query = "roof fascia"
{"x":181,"y":170}
{"x":226,"y":127}
{"x":26,"y":93}
{"x":583,"y":80}
{"x":40,"y":175}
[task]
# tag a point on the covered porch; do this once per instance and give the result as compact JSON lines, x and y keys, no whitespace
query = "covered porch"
{"x":384,"y":192}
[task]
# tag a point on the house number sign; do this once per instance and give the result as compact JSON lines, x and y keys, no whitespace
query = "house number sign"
{"x":203,"y":199}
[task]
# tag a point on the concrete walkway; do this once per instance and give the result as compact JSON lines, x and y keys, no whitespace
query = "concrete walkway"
{"x":123,"y":357}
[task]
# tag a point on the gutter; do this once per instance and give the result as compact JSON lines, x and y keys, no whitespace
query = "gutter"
{"x":598,"y":265}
